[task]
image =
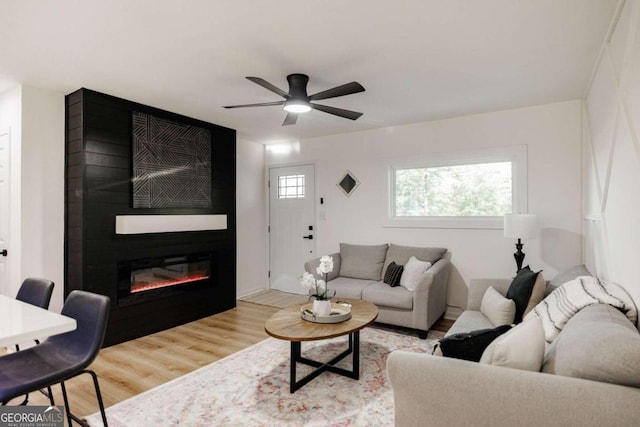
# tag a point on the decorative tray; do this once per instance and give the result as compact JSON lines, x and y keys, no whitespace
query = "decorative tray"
{"x":340,"y":312}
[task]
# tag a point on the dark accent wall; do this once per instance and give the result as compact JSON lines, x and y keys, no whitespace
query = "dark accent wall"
{"x":98,"y":187}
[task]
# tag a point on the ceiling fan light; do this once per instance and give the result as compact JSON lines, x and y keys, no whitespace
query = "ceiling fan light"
{"x":297,"y":107}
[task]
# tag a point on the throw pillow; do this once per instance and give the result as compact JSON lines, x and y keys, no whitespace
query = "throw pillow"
{"x":537,"y":293}
{"x":413,"y":272}
{"x":393,"y":274}
{"x":362,"y":261}
{"x":520,"y":348}
{"x":498,"y":309}
{"x":520,"y":291}
{"x":401,"y":254}
{"x":470,"y":345}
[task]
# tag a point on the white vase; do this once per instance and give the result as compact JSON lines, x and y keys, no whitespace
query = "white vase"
{"x":322,"y":307}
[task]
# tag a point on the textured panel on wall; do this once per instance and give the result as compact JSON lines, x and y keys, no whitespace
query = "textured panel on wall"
{"x":631,"y":94}
{"x":612,"y":102}
{"x":603,"y":109}
{"x":171,"y":164}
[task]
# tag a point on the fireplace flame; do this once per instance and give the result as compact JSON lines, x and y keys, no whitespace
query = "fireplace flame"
{"x":144,"y":286}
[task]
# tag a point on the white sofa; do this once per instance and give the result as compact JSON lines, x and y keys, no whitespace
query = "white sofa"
{"x":590,"y":377}
{"x":358,"y":273}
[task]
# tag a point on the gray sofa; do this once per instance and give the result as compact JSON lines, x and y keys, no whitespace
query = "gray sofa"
{"x":590,"y":377}
{"x":358,"y":273}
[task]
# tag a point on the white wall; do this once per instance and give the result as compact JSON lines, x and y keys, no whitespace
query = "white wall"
{"x":36,"y":117}
{"x":612,"y":156}
{"x":552,"y":134}
{"x":251,"y":225}
{"x":42,"y":177}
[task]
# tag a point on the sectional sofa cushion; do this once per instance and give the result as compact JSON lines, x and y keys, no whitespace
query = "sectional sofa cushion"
{"x":349,"y":288}
{"x":362,"y":261}
{"x":470,"y":320}
{"x":520,"y":348}
{"x":401,"y":254}
{"x":384,"y":295}
{"x":498,"y":309}
{"x":598,"y":343}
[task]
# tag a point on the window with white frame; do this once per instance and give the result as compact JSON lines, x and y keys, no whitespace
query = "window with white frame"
{"x":467,"y":190}
{"x":291,"y":186}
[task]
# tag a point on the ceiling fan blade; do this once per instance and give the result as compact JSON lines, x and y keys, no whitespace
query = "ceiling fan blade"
{"x":345,"y":89}
{"x":347,"y":114}
{"x":290,"y":119}
{"x":262,"y":104}
{"x":265,"y":84}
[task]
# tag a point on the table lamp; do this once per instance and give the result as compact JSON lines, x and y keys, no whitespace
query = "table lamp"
{"x":520,"y":226}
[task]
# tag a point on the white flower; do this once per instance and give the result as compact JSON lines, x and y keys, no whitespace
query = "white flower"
{"x":326,"y":265}
{"x":308,"y":281}
{"x":318,"y":288}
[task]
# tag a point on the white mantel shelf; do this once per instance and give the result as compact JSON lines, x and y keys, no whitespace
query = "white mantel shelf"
{"x":143,"y":224}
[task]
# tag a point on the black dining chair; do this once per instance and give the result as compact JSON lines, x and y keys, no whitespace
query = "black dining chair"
{"x":35,"y":291}
{"x":60,"y":357}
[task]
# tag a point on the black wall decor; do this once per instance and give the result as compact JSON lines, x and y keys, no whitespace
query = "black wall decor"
{"x":171,"y":163}
{"x":98,"y":181}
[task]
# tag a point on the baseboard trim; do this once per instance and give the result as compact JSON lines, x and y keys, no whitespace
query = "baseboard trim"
{"x":251,"y":292}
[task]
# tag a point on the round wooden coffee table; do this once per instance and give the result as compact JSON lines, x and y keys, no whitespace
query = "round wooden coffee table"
{"x":287,"y":324}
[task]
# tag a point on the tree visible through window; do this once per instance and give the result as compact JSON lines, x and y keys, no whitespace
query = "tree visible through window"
{"x":483,"y":189}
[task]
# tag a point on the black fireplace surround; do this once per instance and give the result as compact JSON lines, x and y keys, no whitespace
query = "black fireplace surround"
{"x":98,"y":183}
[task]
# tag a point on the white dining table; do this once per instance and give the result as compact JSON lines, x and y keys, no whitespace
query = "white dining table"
{"x":21,"y":322}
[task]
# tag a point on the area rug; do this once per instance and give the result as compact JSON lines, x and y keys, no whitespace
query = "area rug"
{"x":251,"y":388}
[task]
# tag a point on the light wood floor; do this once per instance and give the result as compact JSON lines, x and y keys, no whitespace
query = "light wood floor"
{"x":130,"y":368}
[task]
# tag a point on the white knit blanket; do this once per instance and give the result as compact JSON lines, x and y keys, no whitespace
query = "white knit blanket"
{"x":559,"y":306}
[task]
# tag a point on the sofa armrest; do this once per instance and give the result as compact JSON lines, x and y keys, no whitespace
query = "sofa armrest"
{"x":461,"y":393}
{"x":430,"y":296}
{"x":311,"y":265}
{"x":477,"y":288}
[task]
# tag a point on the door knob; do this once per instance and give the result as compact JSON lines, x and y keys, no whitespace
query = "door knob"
{"x":3,"y":252}
{"x":310,"y":237}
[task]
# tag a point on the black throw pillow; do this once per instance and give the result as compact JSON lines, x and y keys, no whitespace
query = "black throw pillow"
{"x":520,"y":290}
{"x":393,"y":274}
{"x":470,"y":345}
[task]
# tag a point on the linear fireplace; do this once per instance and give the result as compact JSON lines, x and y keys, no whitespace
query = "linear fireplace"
{"x":143,"y":279}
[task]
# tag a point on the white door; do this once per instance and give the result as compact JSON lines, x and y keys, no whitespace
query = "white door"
{"x":4,"y":208}
{"x":292,"y":237}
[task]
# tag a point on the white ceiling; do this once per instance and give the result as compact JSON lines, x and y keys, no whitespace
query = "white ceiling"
{"x":418,"y":59}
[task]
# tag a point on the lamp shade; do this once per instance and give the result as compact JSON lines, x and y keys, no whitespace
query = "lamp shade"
{"x":521,"y":226}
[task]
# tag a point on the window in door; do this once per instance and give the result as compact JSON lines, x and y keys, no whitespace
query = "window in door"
{"x":291,"y":186}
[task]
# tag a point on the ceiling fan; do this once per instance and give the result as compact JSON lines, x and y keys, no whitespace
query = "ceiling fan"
{"x":297,"y":101}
